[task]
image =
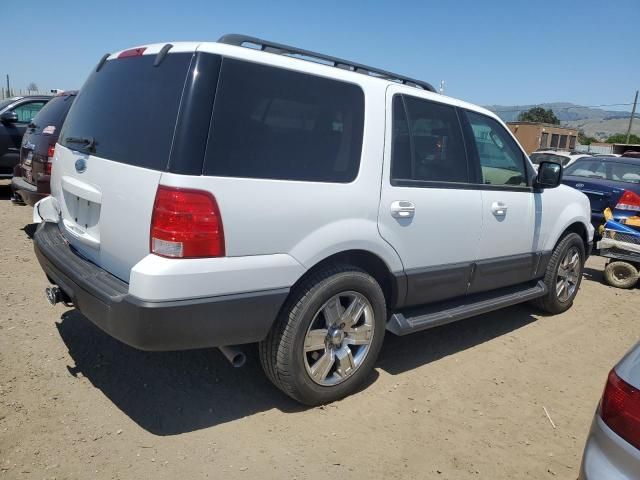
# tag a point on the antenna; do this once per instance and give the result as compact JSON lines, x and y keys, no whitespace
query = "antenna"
{"x":441,"y":87}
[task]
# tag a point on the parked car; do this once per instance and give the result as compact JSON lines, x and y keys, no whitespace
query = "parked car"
{"x":565,"y":158}
{"x":15,"y":114}
{"x":31,"y":176}
{"x":261,"y":201}
{"x":612,"y":450}
{"x":609,"y":182}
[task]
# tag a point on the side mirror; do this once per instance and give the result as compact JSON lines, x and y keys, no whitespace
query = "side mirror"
{"x":9,"y":117}
{"x":549,"y":175}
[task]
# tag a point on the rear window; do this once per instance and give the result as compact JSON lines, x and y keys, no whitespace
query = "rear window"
{"x":279,"y":124}
{"x":53,"y":113}
{"x":129,"y":108}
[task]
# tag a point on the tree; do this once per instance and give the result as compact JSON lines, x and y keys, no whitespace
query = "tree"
{"x":584,"y":139}
{"x":32,"y":87}
{"x":539,"y":114}
{"x":622,"y":138}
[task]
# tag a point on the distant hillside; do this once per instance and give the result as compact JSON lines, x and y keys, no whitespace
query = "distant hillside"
{"x":595,"y":122}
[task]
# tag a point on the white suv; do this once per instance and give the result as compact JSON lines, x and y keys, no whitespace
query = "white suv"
{"x":210,"y":194}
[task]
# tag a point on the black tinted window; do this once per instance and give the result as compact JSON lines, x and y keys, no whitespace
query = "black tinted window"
{"x":427,"y":142}
{"x":274,"y":123}
{"x":501,"y":160}
{"x":129,"y":108}
{"x":53,"y":113}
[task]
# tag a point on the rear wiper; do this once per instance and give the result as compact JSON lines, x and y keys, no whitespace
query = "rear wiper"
{"x":89,"y":142}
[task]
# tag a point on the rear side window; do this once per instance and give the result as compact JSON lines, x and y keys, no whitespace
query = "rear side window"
{"x":129,"y":109}
{"x":278,"y":124}
{"x":427,"y":142}
{"x":501,"y":160}
{"x":54,"y":112}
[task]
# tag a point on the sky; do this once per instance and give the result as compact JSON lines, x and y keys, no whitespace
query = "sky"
{"x":487,"y":52}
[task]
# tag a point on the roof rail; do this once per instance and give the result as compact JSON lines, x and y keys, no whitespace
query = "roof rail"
{"x":272,"y":47}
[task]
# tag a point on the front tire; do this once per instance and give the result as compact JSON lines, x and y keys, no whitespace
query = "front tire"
{"x":327,"y":336}
{"x":563,"y":275}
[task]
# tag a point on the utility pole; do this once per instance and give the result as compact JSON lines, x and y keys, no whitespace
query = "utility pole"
{"x":8,"y":88}
{"x":633,"y":112}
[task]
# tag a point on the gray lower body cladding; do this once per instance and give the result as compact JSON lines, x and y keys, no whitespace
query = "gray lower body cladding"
{"x":172,"y":325}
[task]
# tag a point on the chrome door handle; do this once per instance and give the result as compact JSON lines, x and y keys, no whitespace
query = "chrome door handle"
{"x":499,"y":208}
{"x":402,"y":209}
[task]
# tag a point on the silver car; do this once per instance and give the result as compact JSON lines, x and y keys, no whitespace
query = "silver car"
{"x":613,"y":446}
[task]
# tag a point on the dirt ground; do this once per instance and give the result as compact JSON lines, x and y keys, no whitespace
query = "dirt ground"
{"x":460,"y":401}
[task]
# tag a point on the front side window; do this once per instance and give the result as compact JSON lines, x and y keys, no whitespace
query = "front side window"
{"x":427,"y":143}
{"x":27,"y":111}
{"x":501,"y":160}
{"x":279,"y":124}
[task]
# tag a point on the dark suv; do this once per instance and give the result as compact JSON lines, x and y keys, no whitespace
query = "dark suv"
{"x":31,"y":176}
{"x":15,"y":114}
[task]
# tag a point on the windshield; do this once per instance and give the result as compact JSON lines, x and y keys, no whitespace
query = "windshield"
{"x":614,"y":171}
{"x":5,"y":103}
{"x":536,"y":158}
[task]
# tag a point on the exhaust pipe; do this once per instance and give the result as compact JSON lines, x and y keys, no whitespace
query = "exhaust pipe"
{"x":56,"y":295}
{"x":236,"y":357}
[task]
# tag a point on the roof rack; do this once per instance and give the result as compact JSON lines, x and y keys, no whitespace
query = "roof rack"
{"x":272,"y":47}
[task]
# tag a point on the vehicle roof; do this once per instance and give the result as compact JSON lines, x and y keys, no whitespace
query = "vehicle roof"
{"x":631,"y":160}
{"x":285,"y":61}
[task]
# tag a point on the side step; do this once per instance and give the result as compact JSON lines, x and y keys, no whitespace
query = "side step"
{"x":420,"y":318}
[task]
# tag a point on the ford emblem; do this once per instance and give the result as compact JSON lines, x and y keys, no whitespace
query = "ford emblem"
{"x":81,"y":165}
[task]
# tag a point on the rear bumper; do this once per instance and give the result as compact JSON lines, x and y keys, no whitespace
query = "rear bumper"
{"x":172,"y":325}
{"x":29,"y":193}
{"x":607,"y":456}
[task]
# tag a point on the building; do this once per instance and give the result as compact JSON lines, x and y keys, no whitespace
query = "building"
{"x":536,"y":136}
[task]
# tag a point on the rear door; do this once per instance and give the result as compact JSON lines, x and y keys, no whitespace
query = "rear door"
{"x":114,"y":145}
{"x":429,"y":210}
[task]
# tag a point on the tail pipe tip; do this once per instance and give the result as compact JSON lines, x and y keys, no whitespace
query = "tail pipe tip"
{"x":56,"y":295}
{"x":236,"y":357}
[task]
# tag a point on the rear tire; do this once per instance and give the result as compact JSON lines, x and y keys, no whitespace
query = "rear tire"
{"x":563,"y":275}
{"x":621,"y":275}
{"x":327,"y":337}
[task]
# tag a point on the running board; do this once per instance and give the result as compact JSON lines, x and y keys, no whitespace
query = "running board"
{"x":416,"y":319}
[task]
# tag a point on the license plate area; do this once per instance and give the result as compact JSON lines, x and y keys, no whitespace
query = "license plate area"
{"x":82,"y":212}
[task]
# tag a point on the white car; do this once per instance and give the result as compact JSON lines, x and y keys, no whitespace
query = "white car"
{"x":212,"y":195}
{"x":565,"y":158}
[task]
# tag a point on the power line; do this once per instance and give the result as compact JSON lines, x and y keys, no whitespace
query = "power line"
{"x":566,"y":108}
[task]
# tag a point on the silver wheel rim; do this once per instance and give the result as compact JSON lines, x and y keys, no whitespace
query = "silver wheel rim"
{"x":568,"y":275}
{"x":338,"y":338}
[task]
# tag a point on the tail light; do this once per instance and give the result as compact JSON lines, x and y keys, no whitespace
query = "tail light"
{"x":629,"y":201}
{"x":620,"y":409}
{"x":133,"y":52}
{"x":186,"y":224}
{"x":50,"y":153}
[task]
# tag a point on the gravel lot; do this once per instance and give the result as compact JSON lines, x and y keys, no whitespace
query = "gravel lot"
{"x":461,"y":401}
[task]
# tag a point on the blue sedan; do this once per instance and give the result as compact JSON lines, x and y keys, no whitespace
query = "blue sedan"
{"x":612,"y":182}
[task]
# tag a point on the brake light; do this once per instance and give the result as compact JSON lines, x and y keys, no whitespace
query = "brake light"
{"x":620,"y":409}
{"x":134,"y":52}
{"x":629,"y":201}
{"x":186,"y":224}
{"x":50,"y":153}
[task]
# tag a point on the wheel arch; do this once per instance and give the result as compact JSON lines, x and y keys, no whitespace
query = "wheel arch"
{"x":393,"y":285}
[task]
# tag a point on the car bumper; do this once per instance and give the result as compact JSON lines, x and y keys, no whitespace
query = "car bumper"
{"x":30,"y":194}
{"x":607,"y":456}
{"x":171,"y":325}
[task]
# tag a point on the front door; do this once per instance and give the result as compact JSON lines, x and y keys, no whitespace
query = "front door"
{"x":508,"y":244}
{"x":429,"y":211}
